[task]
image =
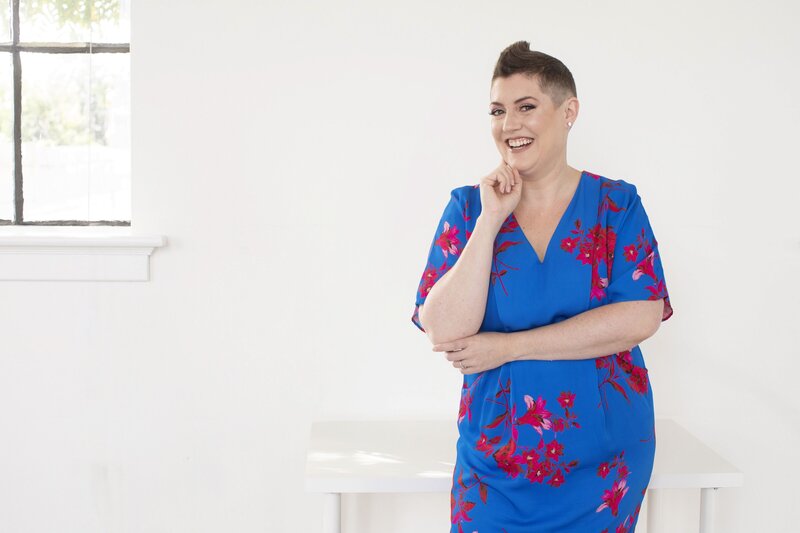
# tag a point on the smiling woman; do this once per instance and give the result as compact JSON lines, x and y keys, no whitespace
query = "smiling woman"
{"x":525,"y":264}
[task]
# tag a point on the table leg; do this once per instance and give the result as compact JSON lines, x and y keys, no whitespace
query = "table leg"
{"x":708,"y":497}
{"x":332,"y":512}
{"x":653,"y":503}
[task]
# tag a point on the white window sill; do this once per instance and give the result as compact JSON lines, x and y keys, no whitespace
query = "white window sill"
{"x":75,"y":253}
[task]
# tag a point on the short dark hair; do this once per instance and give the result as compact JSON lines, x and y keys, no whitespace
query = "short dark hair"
{"x":554,"y":77}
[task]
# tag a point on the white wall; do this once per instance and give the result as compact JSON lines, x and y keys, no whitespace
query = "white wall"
{"x":297,"y":156}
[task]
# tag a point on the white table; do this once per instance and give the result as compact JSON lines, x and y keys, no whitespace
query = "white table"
{"x":419,"y":456}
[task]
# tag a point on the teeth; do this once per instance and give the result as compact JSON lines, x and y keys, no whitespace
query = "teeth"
{"x":514,"y":143}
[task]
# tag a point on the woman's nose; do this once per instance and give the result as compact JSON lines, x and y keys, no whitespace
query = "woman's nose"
{"x":509,"y":124}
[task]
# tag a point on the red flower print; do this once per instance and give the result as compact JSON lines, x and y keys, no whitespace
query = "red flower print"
{"x":566,"y":399}
{"x":603,"y":470}
{"x":625,"y":360}
{"x":568,"y":244}
{"x":511,"y":460}
{"x":554,"y":450}
{"x":531,"y":458}
{"x":637,"y":376}
{"x":631,"y":252}
{"x":557,"y":479}
{"x":613,"y":497}
{"x":509,"y":226}
{"x":486,"y":445}
{"x":595,"y":246}
{"x":537,"y":416}
{"x":598,"y":286}
{"x":428,"y":280}
{"x":538,"y":471}
{"x":586,"y":253}
{"x":612,"y":205}
{"x":658,"y":291}
{"x":448,"y":240}
{"x":464,"y":407}
{"x":461,"y":514}
{"x":638,"y":379}
{"x":506,"y":459}
{"x":611,"y":243}
{"x":459,"y":508}
{"x":645,"y":267}
{"x":608,"y":203}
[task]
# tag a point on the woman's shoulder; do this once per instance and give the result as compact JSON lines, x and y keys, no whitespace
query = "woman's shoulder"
{"x":621,"y":191}
{"x":467,"y":195}
{"x":467,"y":199}
{"x":465,"y":190}
{"x":617,"y":184}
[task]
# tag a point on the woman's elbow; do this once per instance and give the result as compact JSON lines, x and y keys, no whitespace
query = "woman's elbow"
{"x":439,"y":333}
{"x":652,"y":319}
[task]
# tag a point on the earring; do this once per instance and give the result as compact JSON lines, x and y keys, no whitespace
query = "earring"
{"x":569,"y":124}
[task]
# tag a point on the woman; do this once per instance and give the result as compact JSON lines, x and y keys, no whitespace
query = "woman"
{"x":541,"y":282}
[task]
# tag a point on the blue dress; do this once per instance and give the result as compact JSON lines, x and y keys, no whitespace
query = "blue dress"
{"x":555,"y":445}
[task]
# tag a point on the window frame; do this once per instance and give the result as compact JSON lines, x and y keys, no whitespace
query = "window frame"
{"x":15,"y":48}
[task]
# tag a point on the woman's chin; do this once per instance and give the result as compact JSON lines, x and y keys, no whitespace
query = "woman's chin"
{"x":520,"y":162}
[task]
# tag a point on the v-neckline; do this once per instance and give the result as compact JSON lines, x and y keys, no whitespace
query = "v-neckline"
{"x":558,"y":226}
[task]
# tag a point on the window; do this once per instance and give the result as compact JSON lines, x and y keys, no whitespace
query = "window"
{"x":65,"y":113}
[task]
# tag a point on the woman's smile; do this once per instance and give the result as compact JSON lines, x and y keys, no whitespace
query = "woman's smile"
{"x":513,"y":148}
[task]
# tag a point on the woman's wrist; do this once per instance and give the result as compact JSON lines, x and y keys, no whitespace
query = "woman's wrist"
{"x":491,"y":222}
{"x":512,"y":348}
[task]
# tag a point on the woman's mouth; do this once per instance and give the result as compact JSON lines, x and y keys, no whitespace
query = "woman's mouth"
{"x":519,"y":145}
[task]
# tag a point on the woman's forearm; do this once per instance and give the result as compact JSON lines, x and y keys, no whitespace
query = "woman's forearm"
{"x":598,"y":332}
{"x":455,"y":305}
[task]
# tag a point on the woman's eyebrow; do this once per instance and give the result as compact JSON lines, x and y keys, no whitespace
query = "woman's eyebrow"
{"x":518,"y":100}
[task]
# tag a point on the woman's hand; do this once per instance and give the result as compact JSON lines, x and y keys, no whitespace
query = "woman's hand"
{"x":501,"y":191}
{"x":480,"y":352}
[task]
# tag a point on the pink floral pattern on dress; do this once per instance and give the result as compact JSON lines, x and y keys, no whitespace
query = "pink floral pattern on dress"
{"x":645,"y":268}
{"x":621,"y":369}
{"x":592,"y":247}
{"x":612,"y":497}
{"x":546,"y":463}
{"x":501,"y":245}
{"x":597,"y":245}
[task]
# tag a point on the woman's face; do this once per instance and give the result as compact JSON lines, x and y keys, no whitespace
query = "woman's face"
{"x":514,"y":116}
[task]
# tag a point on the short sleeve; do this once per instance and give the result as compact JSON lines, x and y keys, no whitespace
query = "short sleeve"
{"x":635,"y":269}
{"x":448,"y":242}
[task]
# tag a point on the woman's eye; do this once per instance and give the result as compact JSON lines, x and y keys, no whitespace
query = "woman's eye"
{"x":494,"y":114}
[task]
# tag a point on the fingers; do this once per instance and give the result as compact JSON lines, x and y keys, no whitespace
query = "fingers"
{"x":496,"y":179}
{"x":491,"y":179}
{"x":514,"y":176}
{"x":506,"y":171}
{"x":504,"y":178}
{"x":501,"y":176}
{"x":463,"y":369}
